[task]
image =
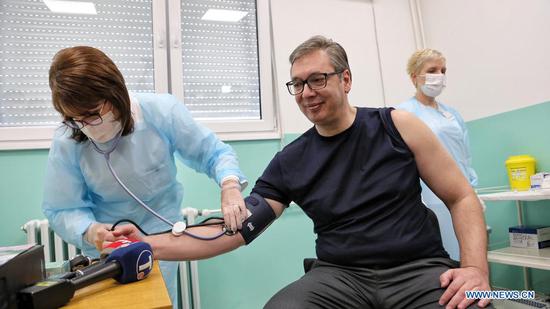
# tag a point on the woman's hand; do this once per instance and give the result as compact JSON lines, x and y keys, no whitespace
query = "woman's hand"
{"x":97,"y":233}
{"x":129,"y":231}
{"x":233,"y":207}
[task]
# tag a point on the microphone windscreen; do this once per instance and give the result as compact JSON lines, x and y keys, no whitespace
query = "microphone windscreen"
{"x":135,"y":259}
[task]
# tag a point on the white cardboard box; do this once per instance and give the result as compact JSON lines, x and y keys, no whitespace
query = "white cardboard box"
{"x":536,"y":237}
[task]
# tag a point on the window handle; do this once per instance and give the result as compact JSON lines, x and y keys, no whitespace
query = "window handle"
{"x":160,"y":39}
{"x":176,"y":43}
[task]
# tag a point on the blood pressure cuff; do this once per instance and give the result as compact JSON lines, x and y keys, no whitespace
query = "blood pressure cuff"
{"x":261,"y":216}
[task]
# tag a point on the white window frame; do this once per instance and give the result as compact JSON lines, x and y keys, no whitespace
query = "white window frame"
{"x":25,"y":137}
{"x":14,"y":138}
{"x":266,"y":127}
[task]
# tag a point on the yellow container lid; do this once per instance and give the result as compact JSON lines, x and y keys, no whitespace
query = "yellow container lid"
{"x":520,"y":159}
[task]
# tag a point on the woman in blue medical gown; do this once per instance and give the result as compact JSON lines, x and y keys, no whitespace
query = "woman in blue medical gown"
{"x":82,"y":199}
{"x":427,"y":69}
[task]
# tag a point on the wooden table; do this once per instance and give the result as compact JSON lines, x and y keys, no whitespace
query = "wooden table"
{"x":148,"y":293}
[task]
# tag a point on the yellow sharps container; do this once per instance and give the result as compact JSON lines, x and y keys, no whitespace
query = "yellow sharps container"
{"x":520,"y":168}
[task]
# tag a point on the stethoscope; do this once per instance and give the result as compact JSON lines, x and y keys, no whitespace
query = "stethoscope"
{"x":178,"y":228}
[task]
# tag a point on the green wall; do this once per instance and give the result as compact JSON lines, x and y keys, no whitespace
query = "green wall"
{"x":21,"y":184}
{"x":245,"y":278}
{"x":493,"y":140}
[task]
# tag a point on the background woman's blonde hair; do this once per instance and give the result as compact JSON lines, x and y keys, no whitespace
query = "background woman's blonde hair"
{"x":417,"y":60}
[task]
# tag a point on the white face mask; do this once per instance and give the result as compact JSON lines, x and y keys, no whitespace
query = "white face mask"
{"x":434,"y":84}
{"x":105,"y":131}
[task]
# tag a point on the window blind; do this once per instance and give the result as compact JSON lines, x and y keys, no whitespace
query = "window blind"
{"x":31,"y":33}
{"x":220,"y":59}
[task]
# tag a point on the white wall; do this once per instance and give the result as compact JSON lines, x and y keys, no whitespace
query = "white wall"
{"x":498,"y":52}
{"x":396,"y":43}
{"x":348,"y":22}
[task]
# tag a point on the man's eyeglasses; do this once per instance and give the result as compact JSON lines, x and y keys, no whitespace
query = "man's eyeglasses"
{"x":93,"y":119}
{"x":314,"y":81}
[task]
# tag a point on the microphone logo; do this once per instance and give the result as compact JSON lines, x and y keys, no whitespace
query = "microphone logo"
{"x":144,"y":264}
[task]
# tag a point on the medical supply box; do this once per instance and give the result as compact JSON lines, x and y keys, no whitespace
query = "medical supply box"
{"x":540,"y":180}
{"x":534,"y":237}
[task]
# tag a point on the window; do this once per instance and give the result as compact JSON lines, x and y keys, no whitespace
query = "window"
{"x":221,"y":66}
{"x":220,"y":87}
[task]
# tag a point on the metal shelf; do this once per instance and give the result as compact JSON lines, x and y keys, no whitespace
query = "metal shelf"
{"x":533,"y":258}
{"x":531,"y":195}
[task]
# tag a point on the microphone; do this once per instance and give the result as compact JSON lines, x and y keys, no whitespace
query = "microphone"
{"x":130,"y":261}
{"x":102,"y":268}
{"x":67,"y":269}
{"x":135,"y":260}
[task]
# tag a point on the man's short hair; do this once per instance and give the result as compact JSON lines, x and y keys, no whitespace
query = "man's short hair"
{"x":336,"y":53}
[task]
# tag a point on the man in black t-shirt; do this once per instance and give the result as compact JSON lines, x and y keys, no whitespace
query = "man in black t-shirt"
{"x":356,"y":174}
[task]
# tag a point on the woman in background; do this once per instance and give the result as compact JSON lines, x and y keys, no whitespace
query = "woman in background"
{"x":427,"y":69}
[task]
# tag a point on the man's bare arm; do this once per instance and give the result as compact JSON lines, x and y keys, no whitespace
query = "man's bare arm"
{"x":184,"y":248}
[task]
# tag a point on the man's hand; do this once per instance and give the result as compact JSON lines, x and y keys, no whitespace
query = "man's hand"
{"x":458,"y":281}
{"x":233,"y":207}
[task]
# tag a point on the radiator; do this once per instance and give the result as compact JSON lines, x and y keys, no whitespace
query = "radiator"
{"x":55,"y":249}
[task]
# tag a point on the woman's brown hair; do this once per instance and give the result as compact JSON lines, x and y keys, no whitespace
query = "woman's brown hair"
{"x":81,"y":77}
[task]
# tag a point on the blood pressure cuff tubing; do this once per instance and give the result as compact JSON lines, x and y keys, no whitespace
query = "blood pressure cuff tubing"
{"x":261,"y":217}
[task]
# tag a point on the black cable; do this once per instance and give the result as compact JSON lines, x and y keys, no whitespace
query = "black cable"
{"x":202,"y":223}
{"x":131,"y":222}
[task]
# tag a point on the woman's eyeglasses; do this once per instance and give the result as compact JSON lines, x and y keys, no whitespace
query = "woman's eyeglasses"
{"x":89,"y":120}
